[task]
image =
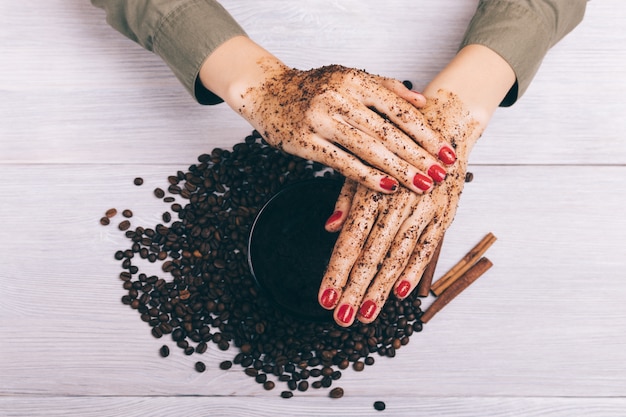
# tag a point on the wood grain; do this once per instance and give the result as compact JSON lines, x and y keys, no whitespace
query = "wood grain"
{"x":83,"y":111}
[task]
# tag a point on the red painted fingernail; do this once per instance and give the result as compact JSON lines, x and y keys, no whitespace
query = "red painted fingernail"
{"x":388,"y":184}
{"x":329,"y":298}
{"x":368,"y":308}
{"x":422,"y":182}
{"x":437,"y":173}
{"x":403,"y":289}
{"x":447,"y":155}
{"x":334,"y":217}
{"x":345,"y":313}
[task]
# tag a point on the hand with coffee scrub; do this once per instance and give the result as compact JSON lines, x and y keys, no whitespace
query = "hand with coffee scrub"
{"x":324,"y":114}
{"x":388,"y":240}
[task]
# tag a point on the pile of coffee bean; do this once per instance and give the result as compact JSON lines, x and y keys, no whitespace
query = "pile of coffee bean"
{"x":207,"y":294}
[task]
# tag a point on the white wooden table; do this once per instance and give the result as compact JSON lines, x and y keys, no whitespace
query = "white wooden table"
{"x":83,"y":111}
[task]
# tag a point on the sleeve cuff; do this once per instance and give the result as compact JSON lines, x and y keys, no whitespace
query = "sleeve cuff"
{"x":188,"y":35}
{"x":522,"y":33}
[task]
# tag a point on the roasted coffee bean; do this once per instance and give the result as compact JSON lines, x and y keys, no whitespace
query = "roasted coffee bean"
{"x":408,"y":84}
{"x":303,"y":386}
{"x":207,"y":294}
{"x":105,"y":221}
{"x":200,"y":366}
{"x":286,"y":394}
{"x":469,"y":177}
{"x":164,"y":351}
{"x":110,"y":212}
{"x":138,"y":181}
{"x":127,"y":213}
{"x":358,"y":366}
{"x":379,"y":405}
{"x":124,"y":225}
{"x":159,"y":193}
{"x":336,"y":392}
{"x":167,"y":217}
{"x":269,"y":385}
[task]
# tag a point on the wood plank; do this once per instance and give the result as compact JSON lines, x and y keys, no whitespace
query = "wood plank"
{"x":542,"y":322}
{"x":306,"y":406}
{"x":101,"y":93}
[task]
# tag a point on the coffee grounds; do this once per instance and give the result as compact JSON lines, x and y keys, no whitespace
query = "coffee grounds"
{"x":207,"y":293}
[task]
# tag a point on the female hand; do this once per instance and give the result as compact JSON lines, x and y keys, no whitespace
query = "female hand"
{"x":368,"y":262}
{"x":387,"y":240}
{"x":332,"y":115}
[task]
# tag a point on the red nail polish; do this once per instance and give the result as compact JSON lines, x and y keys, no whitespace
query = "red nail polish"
{"x":447,"y":155}
{"x":329,"y":298}
{"x":388,"y":184}
{"x":345,"y":313}
{"x":368,"y":308}
{"x":437,"y":173}
{"x":422,"y":182}
{"x":403,"y":289}
{"x":334,"y":217}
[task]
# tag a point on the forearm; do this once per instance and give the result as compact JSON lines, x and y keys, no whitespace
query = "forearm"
{"x":182,"y":32}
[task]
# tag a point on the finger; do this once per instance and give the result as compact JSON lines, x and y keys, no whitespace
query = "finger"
{"x":396,"y":260}
{"x":393,"y":139}
{"x":322,"y":151}
{"x":411,"y":121}
{"x":422,"y":254}
{"x":398,"y":88}
{"x":366,"y":205}
{"x":378,"y":242}
{"x":377,"y":154}
{"x":342,"y":206}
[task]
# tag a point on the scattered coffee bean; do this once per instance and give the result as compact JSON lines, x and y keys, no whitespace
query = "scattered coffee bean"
{"x":110,"y":213}
{"x":286,"y":394}
{"x":167,"y":217}
{"x":105,"y":221}
{"x":207,"y":294}
{"x":200,"y":366}
{"x":269,"y":385}
{"x":379,"y":405}
{"x":469,"y":177}
{"x":164,"y":351}
{"x":159,"y":193}
{"x":127,"y":213}
{"x":358,"y":366}
{"x":336,"y":392}
{"x":124,"y":225}
{"x":408,"y":84}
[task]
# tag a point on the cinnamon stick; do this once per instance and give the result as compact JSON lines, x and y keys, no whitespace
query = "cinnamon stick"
{"x":423,"y":286}
{"x":456,"y":288}
{"x":463,"y":265}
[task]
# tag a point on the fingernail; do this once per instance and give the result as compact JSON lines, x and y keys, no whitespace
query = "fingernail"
{"x":334,"y":217}
{"x":388,"y":184}
{"x":447,"y":155}
{"x":345,"y":313}
{"x":422,"y":182}
{"x":437,"y":173}
{"x":403,"y":289}
{"x":368,"y":308}
{"x":329,"y":298}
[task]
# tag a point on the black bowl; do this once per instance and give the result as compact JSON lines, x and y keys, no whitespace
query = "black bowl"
{"x":288,"y":249}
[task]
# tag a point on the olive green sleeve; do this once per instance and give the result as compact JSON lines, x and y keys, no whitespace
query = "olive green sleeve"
{"x":522,"y":32}
{"x":182,"y":32}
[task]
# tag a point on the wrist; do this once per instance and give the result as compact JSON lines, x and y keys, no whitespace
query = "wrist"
{"x":480,"y":79}
{"x":236,"y":66}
